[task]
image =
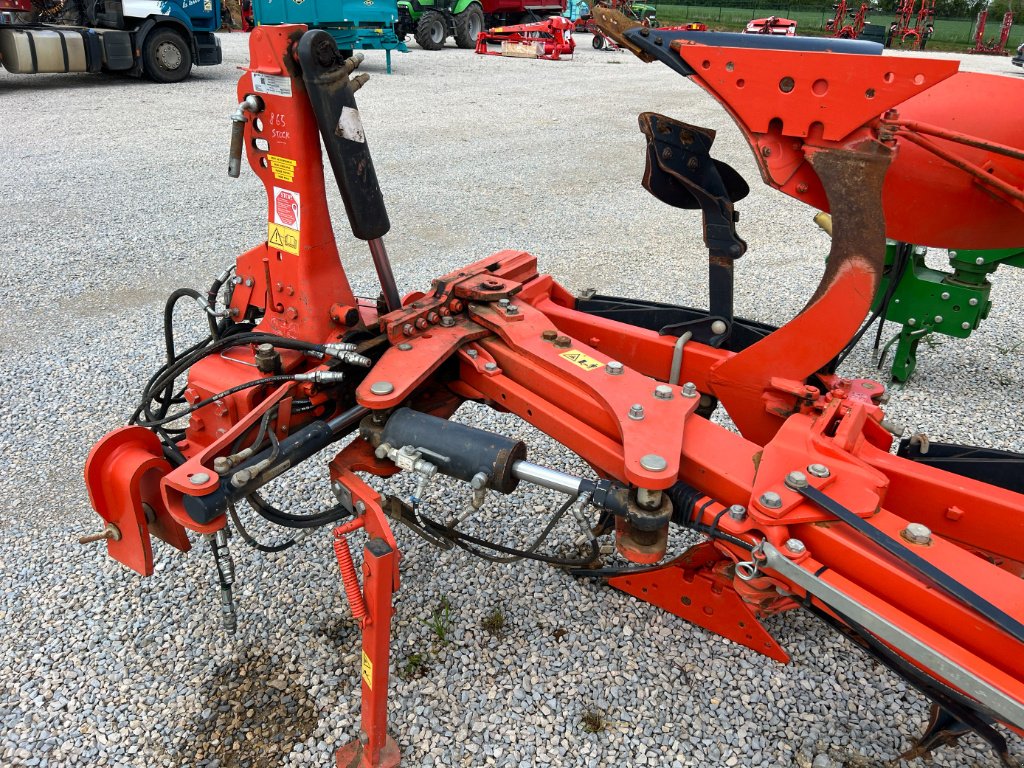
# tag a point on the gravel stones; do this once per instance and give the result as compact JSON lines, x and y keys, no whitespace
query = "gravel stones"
{"x":115,"y":194}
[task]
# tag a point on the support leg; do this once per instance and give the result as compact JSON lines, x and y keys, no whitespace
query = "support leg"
{"x":374,"y":748}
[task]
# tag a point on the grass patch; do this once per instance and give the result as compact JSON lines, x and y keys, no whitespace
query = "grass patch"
{"x":440,"y":621}
{"x":593,"y":721}
{"x":494,"y":622}
{"x":414,"y":666}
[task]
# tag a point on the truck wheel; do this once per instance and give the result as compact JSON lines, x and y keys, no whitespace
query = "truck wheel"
{"x":597,"y":42}
{"x":166,"y":57}
{"x":468,"y":25}
{"x":431,"y":31}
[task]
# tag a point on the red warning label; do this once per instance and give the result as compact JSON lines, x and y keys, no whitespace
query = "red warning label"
{"x":287,"y":208}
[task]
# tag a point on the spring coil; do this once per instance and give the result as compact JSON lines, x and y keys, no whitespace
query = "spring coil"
{"x":349,"y":578}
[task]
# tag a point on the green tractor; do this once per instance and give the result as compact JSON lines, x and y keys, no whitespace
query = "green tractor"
{"x":432,"y":22}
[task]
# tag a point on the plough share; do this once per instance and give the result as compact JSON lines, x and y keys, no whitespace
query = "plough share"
{"x":805,"y":507}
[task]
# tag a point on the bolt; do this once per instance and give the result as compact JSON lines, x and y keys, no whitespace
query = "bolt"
{"x":766,"y":151}
{"x":503,"y":303}
{"x":912,"y":321}
{"x":770,"y":500}
{"x":563,"y":342}
{"x":249,"y":282}
{"x":818,"y":470}
{"x":663,"y":392}
{"x":447,"y":321}
{"x":795,"y":546}
{"x":472,"y":353}
{"x":689,"y":389}
{"x":512,"y":309}
{"x":613,"y":368}
{"x":952,"y":254}
{"x":801,"y":188}
{"x":796,"y":480}
{"x":652,"y":462}
{"x":738,"y":512}
{"x":965,"y":325}
{"x":405,"y":347}
{"x":422,"y":324}
{"x":549,"y":335}
{"x":945,"y":296}
{"x":408,"y":329}
{"x":979,"y":261}
{"x":636,"y":412}
{"x":382,"y":388}
{"x":490,"y":366}
{"x":916,"y":533}
{"x":110,"y":531}
{"x":455,"y":305}
{"x":938,"y":318}
{"x":199,"y":478}
{"x":973,"y":302}
{"x":433,"y":318}
{"x":719,"y":327}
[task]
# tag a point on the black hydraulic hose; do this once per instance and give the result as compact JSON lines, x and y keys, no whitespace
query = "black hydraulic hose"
{"x":213,"y":398}
{"x":288,"y":520}
{"x":251,"y":541}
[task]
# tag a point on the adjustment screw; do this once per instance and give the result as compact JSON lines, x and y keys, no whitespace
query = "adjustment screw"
{"x":818,"y":470}
{"x":613,"y":368}
{"x":738,"y":512}
{"x":405,"y":346}
{"x":663,"y":392}
{"x":636,"y":412}
{"x":652,"y":462}
{"x":382,"y":388}
{"x":795,"y":546}
{"x":689,"y":389}
{"x":916,"y":533}
{"x":796,"y":480}
{"x":199,"y":478}
{"x":563,"y":342}
{"x":549,"y":335}
{"x":490,"y":366}
{"x":770,"y":500}
{"x":447,"y":321}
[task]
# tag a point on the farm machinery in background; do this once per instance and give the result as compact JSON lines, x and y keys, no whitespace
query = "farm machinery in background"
{"x":847,"y":23}
{"x":432,"y":22}
{"x":992,"y":47}
{"x":641,"y":12}
{"x":771,"y":25}
{"x":915,"y":556}
{"x":913,"y":25}
{"x":354,"y":24}
{"x":160,"y":39}
{"x":549,"y":39}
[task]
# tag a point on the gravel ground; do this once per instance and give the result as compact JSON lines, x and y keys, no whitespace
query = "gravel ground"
{"x":115,"y":193}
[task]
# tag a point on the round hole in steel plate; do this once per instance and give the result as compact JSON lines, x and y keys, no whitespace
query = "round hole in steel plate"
{"x":787,"y":84}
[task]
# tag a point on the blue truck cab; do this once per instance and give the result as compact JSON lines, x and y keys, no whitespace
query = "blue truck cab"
{"x":161,"y":39}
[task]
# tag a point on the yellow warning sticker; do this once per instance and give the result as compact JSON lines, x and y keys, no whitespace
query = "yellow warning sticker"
{"x":367,"y":671}
{"x":283,"y":238}
{"x":282,"y":168}
{"x":579,"y":359}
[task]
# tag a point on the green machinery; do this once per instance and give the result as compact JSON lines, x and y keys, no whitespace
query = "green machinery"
{"x":431,"y":22}
{"x":925,"y":300}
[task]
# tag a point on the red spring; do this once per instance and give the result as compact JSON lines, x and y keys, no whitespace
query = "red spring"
{"x":349,"y":578}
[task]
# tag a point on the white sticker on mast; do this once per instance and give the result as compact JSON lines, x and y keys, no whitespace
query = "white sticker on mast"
{"x":271,"y":84}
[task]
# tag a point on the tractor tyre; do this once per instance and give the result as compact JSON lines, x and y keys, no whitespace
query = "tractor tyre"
{"x":597,"y":42}
{"x":431,"y":31}
{"x":166,"y":56}
{"x":468,"y":25}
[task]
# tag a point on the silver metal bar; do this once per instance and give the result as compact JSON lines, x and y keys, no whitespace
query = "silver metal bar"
{"x":547,"y":478}
{"x":1004,"y":706}
{"x":677,"y":358}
